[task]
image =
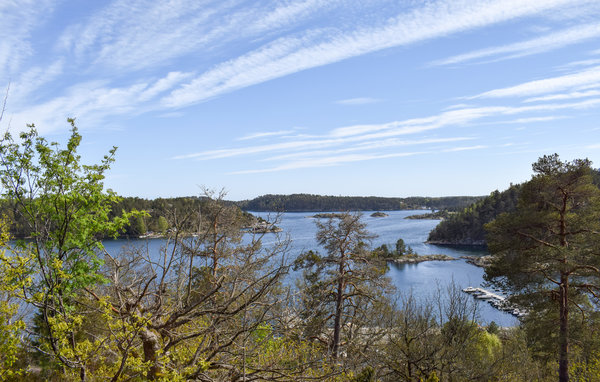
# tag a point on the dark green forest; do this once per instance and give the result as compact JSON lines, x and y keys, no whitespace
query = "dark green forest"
{"x":319,"y":203}
{"x":466,"y":227}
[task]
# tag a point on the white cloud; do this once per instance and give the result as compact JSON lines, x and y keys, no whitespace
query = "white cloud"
{"x":265,"y":135}
{"x":375,"y":145}
{"x":535,"y":119}
{"x":94,"y":100}
{"x":357,"y":101}
{"x":172,"y":79}
{"x":548,"y":85}
{"x":534,"y":46}
{"x":465,"y":148}
{"x":589,"y":62}
{"x":24,"y":88}
{"x":559,"y":97}
{"x":19,"y":19}
{"x":328,"y":161}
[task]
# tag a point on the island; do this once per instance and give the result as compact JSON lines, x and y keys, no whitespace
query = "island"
{"x":437,"y":215}
{"x":328,"y":215}
{"x":414,"y":258}
{"x":379,"y":214}
{"x":479,"y":261}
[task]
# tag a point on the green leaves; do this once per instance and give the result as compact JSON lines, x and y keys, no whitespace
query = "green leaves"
{"x":65,"y":207}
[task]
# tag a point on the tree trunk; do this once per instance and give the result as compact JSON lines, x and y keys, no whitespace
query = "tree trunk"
{"x":82,"y":374}
{"x":151,"y":347}
{"x":563,"y":360}
{"x":337,"y":323}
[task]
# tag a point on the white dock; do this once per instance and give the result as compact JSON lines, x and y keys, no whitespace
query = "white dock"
{"x":496,"y":300}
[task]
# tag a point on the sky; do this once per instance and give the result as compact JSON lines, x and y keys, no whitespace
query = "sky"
{"x":332,"y":97}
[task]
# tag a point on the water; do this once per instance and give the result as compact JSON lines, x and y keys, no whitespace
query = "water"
{"x":422,"y":280}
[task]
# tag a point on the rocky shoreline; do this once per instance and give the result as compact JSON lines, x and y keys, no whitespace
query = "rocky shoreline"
{"x":479,"y":261}
{"x":465,"y":242}
{"x":415,"y":259}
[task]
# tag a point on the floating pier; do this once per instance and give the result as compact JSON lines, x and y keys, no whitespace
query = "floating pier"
{"x":497,"y":301}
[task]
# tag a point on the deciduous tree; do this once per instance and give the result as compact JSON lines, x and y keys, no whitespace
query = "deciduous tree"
{"x":65,"y":206}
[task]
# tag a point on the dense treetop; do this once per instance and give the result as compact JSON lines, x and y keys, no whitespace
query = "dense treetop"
{"x":466,"y":227}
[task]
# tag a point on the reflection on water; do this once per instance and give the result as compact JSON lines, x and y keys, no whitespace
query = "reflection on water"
{"x":422,"y":280}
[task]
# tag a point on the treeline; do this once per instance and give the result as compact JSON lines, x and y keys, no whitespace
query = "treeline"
{"x":161,"y":211}
{"x":159,"y":215}
{"x":317,"y":203}
{"x":466,"y":227}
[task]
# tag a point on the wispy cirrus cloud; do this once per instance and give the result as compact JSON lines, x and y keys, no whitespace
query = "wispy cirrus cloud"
{"x":279,"y":38}
{"x":19,"y":19}
{"x":565,"y":96}
{"x":328,"y":161}
{"x":537,"y":45}
{"x":575,"y":80}
{"x":94,"y":100}
{"x":357,"y":101}
{"x":380,"y":141}
{"x":176,"y":28}
{"x":465,"y":148}
{"x":289,"y":55}
{"x":377,"y":145}
{"x":536,"y":119}
{"x":265,"y":135}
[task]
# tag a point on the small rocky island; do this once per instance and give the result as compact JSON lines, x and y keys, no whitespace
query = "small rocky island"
{"x":414,"y":258}
{"x":328,"y":215}
{"x":264,"y":227}
{"x":379,"y":214}
{"x":401,"y":253}
{"x":438,"y":215}
{"x":479,"y":261}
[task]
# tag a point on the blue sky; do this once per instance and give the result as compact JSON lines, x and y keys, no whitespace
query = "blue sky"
{"x":386,"y":98}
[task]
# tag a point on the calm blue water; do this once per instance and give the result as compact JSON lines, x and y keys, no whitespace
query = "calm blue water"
{"x":422,"y":280}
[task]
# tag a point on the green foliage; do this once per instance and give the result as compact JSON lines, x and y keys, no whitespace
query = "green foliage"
{"x":432,"y":377}
{"x":11,"y":326}
{"x":493,"y":328}
{"x":545,"y":252}
{"x":162,"y":225}
{"x":588,"y":370}
{"x":366,"y":375}
{"x":401,"y":249}
{"x":140,"y":225}
{"x":467,"y":227}
{"x":66,"y":210}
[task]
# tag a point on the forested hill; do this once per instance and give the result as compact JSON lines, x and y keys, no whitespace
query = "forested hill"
{"x":466,"y":227}
{"x":162,"y":213}
{"x":308,"y":202}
